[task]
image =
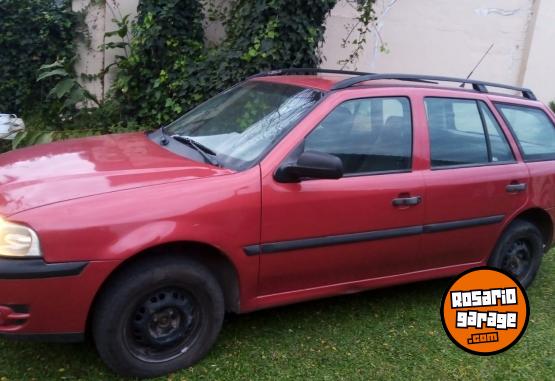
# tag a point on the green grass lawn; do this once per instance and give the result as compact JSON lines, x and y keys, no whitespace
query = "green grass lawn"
{"x":394,"y":333}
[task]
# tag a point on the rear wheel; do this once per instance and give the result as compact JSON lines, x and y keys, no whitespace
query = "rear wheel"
{"x":519,"y":251}
{"x":158,"y":316}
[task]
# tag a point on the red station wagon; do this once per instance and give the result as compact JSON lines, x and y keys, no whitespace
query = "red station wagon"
{"x":293,"y":185}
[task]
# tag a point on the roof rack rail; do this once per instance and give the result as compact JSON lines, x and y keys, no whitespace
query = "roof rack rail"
{"x":306,"y":70}
{"x":311,"y":70}
{"x":479,"y":86}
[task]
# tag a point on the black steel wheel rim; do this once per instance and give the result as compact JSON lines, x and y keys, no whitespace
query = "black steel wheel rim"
{"x":163,"y":325}
{"x":518,"y":259}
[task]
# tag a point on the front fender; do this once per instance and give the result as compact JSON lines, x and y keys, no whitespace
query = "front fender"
{"x":221,"y":211}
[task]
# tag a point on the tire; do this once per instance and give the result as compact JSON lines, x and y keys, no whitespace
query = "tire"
{"x":519,"y":251}
{"x":157,"y":316}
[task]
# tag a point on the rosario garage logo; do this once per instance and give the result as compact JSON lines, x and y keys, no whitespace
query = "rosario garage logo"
{"x":485,"y":311}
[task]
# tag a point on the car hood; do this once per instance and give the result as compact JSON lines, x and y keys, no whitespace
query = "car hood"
{"x":50,"y":173}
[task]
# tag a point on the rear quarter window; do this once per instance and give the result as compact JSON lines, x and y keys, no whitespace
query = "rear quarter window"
{"x":533,"y":130}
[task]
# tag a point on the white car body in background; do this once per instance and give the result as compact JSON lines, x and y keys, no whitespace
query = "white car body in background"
{"x":10,"y":125}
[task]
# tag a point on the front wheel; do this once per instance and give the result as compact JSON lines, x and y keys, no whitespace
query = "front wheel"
{"x":158,"y":316}
{"x":519,"y":251}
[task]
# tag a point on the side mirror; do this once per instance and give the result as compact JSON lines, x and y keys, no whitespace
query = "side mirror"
{"x":311,"y":165}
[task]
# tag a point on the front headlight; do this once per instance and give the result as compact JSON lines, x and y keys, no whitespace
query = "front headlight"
{"x":18,"y":241}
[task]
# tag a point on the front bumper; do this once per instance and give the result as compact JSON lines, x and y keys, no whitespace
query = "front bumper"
{"x":48,"y":300}
{"x":38,"y":269}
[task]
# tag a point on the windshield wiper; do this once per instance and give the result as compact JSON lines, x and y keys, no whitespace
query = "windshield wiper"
{"x":208,"y":155}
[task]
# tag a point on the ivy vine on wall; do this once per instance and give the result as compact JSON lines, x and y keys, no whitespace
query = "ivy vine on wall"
{"x":167,"y":39}
{"x":166,"y":68}
{"x":170,"y":68}
{"x":32,"y":32}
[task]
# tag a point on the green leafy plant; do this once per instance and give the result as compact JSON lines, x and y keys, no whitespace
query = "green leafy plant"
{"x":122,"y":44}
{"x":81,"y":122}
{"x":275,"y":33}
{"x":67,"y":89}
{"x":32,"y":32}
{"x":170,"y":69}
{"x":167,"y":39}
{"x":166,"y":67}
{"x":358,"y":34}
{"x":73,"y":111}
{"x":552,"y":105}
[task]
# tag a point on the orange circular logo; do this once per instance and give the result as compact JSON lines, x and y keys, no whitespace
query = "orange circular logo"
{"x":485,"y":311}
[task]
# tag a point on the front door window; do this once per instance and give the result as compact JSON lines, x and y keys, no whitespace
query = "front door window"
{"x":369,"y":135}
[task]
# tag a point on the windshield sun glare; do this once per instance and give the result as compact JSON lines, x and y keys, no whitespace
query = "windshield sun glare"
{"x":241,"y":124}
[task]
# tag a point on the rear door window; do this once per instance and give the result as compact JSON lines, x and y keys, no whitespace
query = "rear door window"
{"x":500,"y":150}
{"x":533,"y":130}
{"x":463,"y":132}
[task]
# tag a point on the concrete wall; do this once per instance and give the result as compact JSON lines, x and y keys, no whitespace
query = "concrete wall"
{"x":443,"y":37}
{"x":537,"y":71}
{"x":448,"y":37}
{"x":91,"y":57}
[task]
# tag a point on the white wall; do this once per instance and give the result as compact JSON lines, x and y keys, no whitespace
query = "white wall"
{"x":538,"y":72}
{"x":442,"y":37}
{"x":91,"y":58}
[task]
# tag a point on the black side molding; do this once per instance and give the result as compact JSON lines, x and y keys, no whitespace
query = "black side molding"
{"x":444,"y":226}
{"x":307,"y":243}
{"x":274,"y":247}
{"x":252,"y":249}
{"x":45,"y":337}
{"x":38,"y":269}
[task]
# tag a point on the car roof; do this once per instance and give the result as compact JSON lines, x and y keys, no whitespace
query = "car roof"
{"x":320,"y":81}
{"x":325,"y":82}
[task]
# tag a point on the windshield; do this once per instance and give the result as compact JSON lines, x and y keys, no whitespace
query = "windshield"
{"x":241,"y":124}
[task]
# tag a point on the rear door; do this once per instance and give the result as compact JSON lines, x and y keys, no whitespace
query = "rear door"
{"x":474,"y":183}
{"x":534,"y":131}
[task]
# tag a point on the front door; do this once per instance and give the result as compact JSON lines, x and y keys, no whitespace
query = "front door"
{"x":365,"y":225}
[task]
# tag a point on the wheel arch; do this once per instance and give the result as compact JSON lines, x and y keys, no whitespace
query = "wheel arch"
{"x":542,"y":220}
{"x":211,"y":257}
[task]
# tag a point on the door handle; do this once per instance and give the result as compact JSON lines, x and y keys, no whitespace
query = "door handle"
{"x":516,"y":187}
{"x":407,"y":201}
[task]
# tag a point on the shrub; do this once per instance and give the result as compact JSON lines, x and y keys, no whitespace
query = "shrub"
{"x":32,"y":32}
{"x":167,"y":67}
{"x":269,"y":34}
{"x":170,"y":70}
{"x":167,"y":39}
